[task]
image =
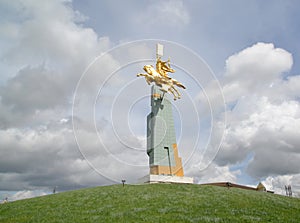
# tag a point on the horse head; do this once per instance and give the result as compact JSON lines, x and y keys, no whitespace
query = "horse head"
{"x":149,"y":69}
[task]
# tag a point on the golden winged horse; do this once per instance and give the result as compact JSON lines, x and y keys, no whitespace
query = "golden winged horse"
{"x":161,"y":79}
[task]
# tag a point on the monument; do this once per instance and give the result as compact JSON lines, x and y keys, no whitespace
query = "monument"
{"x":164,"y":161}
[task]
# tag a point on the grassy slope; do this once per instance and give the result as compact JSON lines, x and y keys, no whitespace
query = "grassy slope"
{"x":154,"y":203}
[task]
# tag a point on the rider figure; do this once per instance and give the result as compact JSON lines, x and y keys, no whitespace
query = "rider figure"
{"x":163,"y":67}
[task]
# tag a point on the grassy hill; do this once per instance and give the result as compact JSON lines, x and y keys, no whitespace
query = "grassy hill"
{"x":154,"y":203}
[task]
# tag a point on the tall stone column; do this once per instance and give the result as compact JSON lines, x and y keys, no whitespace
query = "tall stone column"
{"x":161,"y":138}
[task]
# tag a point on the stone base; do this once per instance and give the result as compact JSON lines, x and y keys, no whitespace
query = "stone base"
{"x":166,"y":179}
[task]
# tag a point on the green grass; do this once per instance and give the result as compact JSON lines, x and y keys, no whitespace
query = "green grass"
{"x":154,"y":203}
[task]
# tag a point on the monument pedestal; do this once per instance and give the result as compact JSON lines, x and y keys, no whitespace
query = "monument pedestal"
{"x":161,"y":138}
{"x":150,"y":178}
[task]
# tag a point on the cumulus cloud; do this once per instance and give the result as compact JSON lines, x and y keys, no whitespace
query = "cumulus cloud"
{"x":269,"y":132}
{"x":166,"y":13}
{"x":19,"y":93}
{"x":45,"y":52}
{"x":39,"y":158}
{"x":47,"y":33}
{"x":254,"y":69}
{"x":214,"y":173}
{"x":26,"y":194}
{"x":261,"y":61}
{"x":262,"y":112}
{"x":257,"y":70}
{"x":278,"y":184}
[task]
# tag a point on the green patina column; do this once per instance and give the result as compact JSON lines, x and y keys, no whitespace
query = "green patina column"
{"x":161,"y":137}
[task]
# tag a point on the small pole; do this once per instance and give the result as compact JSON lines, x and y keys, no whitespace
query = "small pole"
{"x":167,"y":148}
{"x":159,"y":50}
{"x":290,"y":190}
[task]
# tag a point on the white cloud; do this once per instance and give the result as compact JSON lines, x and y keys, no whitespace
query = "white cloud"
{"x":26,"y":194}
{"x":44,"y":54}
{"x":261,"y":61}
{"x":254,"y":69}
{"x":263,"y":113}
{"x":278,"y":183}
{"x":269,"y":131}
{"x":166,"y":13}
{"x":214,"y":173}
{"x":39,"y":158}
{"x":258,"y":121}
{"x":48,"y":34}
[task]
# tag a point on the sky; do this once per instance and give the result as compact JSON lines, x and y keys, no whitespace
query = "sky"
{"x":73,"y":113}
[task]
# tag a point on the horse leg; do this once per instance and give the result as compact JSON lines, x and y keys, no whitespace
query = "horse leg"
{"x":172,"y":91}
{"x":178,"y":93}
{"x":148,"y":80}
